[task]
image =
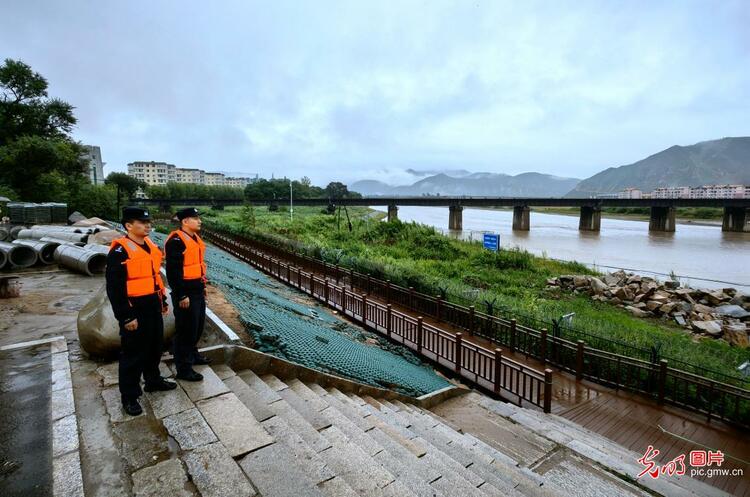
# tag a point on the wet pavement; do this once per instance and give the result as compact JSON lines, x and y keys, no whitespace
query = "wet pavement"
{"x":25,"y":429}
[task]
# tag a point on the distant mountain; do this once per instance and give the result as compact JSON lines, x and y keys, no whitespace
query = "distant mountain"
{"x":725,"y":161}
{"x":474,"y":184}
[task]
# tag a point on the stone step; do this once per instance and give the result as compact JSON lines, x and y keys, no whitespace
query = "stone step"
{"x":211,"y":386}
{"x":265,"y":392}
{"x":316,"y":419}
{"x":300,"y":425}
{"x":405,"y":463}
{"x":252,"y":400}
{"x":216,"y":474}
{"x":273,"y":382}
{"x":314,"y":400}
{"x":234,"y":424}
{"x":363,"y":474}
{"x":453,"y":474}
{"x":473,"y":457}
{"x":276,"y":472}
{"x":353,"y":413}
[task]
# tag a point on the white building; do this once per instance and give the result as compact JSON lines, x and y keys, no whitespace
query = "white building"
{"x":237,"y":182}
{"x":183,"y":175}
{"x":630,"y":193}
{"x":215,"y":179}
{"x":96,"y":167}
{"x":671,"y":192}
{"x":153,"y":173}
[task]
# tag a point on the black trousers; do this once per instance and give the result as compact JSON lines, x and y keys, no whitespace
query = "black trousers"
{"x":188,"y":330}
{"x":140,"y":350}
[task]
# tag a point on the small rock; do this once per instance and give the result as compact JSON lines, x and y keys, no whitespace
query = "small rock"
{"x":703,"y":309}
{"x":552,"y":282}
{"x":611,"y":279}
{"x":652,"y":305}
{"x":711,"y":327}
{"x":672,"y":284}
{"x":668,"y":307}
{"x":580,"y":281}
{"x":680,"y":319}
{"x":640,"y":313}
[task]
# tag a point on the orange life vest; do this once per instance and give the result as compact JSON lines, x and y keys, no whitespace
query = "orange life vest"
{"x":143,"y":268}
{"x":194,"y":264}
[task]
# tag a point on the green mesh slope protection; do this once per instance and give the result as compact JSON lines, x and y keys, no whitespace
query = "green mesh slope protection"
{"x":283,"y":326}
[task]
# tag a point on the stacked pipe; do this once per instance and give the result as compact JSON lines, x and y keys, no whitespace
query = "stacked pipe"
{"x":95,"y":247}
{"x":18,"y":256}
{"x":45,"y":250}
{"x":53,"y":239}
{"x":15,"y":230}
{"x":4,"y":233}
{"x":38,"y":233}
{"x":81,"y":260}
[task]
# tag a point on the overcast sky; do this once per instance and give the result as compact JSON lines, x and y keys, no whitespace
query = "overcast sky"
{"x":351,"y":90}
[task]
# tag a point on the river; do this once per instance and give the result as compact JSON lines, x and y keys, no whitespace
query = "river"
{"x":701,"y":256}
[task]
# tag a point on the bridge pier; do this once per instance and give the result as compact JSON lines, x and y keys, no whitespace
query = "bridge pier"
{"x":392,"y":212}
{"x":521,"y":218}
{"x":662,"y":219}
{"x":734,"y":219}
{"x":455,"y":217}
{"x":591,"y":218}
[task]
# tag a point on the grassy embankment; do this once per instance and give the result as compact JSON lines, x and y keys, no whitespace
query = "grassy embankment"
{"x":415,"y":255}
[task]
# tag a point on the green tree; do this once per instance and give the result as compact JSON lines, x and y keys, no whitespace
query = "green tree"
{"x":336,"y":190}
{"x":125,"y":187}
{"x":36,"y":151}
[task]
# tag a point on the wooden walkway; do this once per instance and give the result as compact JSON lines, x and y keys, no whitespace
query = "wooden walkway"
{"x":628,"y":419}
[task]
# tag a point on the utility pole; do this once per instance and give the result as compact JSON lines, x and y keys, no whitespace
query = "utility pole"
{"x":291,"y":203}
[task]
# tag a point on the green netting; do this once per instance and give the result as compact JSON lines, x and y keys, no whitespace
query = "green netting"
{"x":282,"y":325}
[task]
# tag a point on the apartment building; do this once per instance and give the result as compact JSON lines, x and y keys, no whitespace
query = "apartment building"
{"x":153,"y":173}
{"x":705,"y":191}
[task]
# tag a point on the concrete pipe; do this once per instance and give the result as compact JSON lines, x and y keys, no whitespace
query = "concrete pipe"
{"x":58,"y":227}
{"x":95,"y":247}
{"x":19,"y":256}
{"x":4,"y":233}
{"x":3,"y":260}
{"x":52,"y":239}
{"x":15,"y":230}
{"x":80,"y":260}
{"x":38,"y":233}
{"x":44,"y":250}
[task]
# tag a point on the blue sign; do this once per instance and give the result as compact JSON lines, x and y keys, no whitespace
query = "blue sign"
{"x":492,"y":241}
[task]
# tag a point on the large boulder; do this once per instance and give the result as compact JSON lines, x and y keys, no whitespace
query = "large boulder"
{"x":736,"y":334}
{"x":98,"y":331}
{"x":733,"y":311}
{"x":598,"y":285}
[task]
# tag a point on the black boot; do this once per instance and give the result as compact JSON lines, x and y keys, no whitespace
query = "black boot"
{"x":189,"y":375}
{"x":201,"y":360}
{"x":160,"y":386}
{"x":132,"y":407}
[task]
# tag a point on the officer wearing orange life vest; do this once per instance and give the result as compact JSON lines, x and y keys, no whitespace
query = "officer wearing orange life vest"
{"x":186,"y":273}
{"x":136,"y":293}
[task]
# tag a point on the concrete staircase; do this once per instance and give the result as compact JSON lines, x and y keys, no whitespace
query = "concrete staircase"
{"x":240,"y":434}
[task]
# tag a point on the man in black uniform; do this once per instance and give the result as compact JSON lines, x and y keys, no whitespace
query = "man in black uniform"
{"x":186,"y":274}
{"x":136,"y":293}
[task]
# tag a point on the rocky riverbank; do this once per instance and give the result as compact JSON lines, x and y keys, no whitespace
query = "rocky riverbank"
{"x":721,"y":314}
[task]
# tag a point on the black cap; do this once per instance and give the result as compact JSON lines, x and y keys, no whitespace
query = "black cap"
{"x":136,"y":213}
{"x":187,"y":212}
